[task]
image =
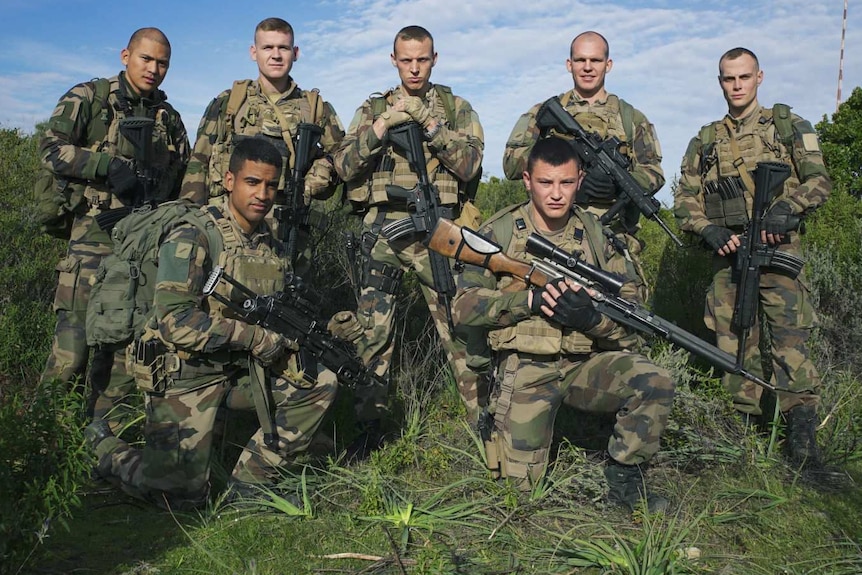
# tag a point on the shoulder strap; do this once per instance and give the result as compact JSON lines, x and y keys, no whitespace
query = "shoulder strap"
{"x":627,"y":114}
{"x":596,"y":235}
{"x":378,"y":104}
{"x":316,"y":104}
{"x":707,"y":135}
{"x":100,"y":111}
{"x":501,"y":224}
{"x":448,"y":99}
{"x":238,"y":95}
{"x":783,"y":123}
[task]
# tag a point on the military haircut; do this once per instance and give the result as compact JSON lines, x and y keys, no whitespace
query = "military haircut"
{"x":153,"y":34}
{"x":413,"y":32}
{"x":585,"y":34}
{"x":553,"y":151}
{"x":254,"y":150}
{"x":735,"y":53}
{"x":273,"y":25}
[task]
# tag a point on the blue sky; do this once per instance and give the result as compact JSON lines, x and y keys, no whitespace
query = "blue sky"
{"x":502,"y":56}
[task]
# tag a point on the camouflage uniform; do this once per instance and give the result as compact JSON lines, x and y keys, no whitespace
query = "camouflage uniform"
{"x":607,"y":119}
{"x":206,"y":366}
{"x":540,"y":365}
{"x":79,"y":147}
{"x":257,"y":115}
{"x":367,"y":165}
{"x":708,"y":167}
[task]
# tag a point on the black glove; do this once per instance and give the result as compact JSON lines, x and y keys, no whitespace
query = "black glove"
{"x":716,"y":236}
{"x":538,"y":301}
{"x":122,"y":181}
{"x":597,"y":186}
{"x":575,"y":310}
{"x":780,"y":219}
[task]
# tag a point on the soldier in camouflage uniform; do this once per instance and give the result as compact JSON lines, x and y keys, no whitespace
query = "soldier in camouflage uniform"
{"x":607,"y":115}
{"x":714,"y":199}
{"x":197,"y":356}
{"x":271,"y":106}
{"x":551,"y":345}
{"x":92,"y":154}
{"x":368,"y":163}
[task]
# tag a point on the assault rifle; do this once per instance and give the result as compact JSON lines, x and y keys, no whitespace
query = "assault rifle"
{"x":293,"y":313}
{"x":604,"y":156}
{"x":295,"y":213}
{"x":138,"y":131}
{"x":754,"y":254}
{"x":553,"y":264}
{"x":423,"y":203}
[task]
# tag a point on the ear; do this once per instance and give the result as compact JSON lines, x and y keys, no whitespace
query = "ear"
{"x":229,"y":180}
{"x":759,"y":77}
{"x":609,"y":65}
{"x":295,"y":53}
{"x":569,"y":65}
{"x":527,"y":182}
{"x":393,"y":60}
{"x":124,"y":56}
{"x":434,"y":60}
{"x":252,"y":52}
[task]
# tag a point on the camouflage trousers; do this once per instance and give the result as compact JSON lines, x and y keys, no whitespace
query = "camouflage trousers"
{"x":69,"y":352}
{"x":174,"y":464}
{"x":531,"y":389}
{"x":376,"y":312}
{"x":786,"y":305}
{"x":119,"y":399}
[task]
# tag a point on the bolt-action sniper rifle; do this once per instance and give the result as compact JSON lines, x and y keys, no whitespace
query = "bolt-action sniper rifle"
{"x":138,"y":131}
{"x":605,"y":156}
{"x":423,"y":203}
{"x":293,"y":313}
{"x":754,"y":254}
{"x":552,"y":264}
{"x":295,"y":213}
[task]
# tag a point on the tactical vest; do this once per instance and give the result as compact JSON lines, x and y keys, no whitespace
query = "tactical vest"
{"x":104,"y":136}
{"x":247,"y":112}
{"x":769,"y":138}
{"x":536,"y":335}
{"x":392,"y":165}
{"x":614,"y":118}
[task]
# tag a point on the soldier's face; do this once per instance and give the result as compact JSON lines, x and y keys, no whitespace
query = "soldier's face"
{"x":146,"y":63}
{"x":739,"y":79}
{"x":552,"y":191}
{"x":274,"y":53}
{"x":588,"y":65}
{"x":251,"y":192}
{"x":414,"y":60}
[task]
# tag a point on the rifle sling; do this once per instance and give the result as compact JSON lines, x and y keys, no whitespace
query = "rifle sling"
{"x":739,"y":162}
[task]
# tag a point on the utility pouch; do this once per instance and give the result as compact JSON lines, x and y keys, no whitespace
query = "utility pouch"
{"x":149,"y":366}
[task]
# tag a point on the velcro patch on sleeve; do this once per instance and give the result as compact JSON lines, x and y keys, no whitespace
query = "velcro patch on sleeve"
{"x":810,"y":143}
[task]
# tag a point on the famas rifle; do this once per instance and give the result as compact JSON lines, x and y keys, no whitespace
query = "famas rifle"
{"x":754,"y":254}
{"x":553,"y":264}
{"x":293,"y":313}
{"x":605,"y":156}
{"x":137,"y":130}
{"x":423,"y":203}
{"x":295,"y":213}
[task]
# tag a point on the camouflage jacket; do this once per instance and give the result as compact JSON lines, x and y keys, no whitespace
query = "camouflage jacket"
{"x":256,"y":115}
{"x":644,"y":150}
{"x":486,"y":300}
{"x":80,"y":147}
{"x":184,"y":318}
{"x":367,"y":164}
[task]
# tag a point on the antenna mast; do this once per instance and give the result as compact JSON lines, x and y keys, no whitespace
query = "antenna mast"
{"x":841,"y":57}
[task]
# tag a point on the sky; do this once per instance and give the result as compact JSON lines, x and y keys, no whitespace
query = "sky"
{"x":502,"y":56}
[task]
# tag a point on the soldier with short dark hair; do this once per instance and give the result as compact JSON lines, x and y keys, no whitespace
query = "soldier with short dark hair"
{"x":97,"y":161}
{"x":551,"y":345}
{"x":197,"y":356}
{"x":714,"y":200}
{"x":368,"y":162}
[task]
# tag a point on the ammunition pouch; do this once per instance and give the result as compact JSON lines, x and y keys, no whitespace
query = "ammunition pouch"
{"x":724,"y":203}
{"x":146,"y":362}
{"x":378,"y":275}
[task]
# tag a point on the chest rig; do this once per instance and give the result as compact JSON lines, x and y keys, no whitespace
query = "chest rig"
{"x":729,"y":154}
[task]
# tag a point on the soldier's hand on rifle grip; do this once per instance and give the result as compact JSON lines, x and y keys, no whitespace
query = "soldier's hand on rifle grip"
{"x":596,"y":186}
{"x":721,"y":239}
{"x":778,"y":221}
{"x":346,"y":326}
{"x":575,"y":309}
{"x":122,"y":181}
{"x":417,"y":109}
{"x":267,"y":346}
{"x":389,"y":119}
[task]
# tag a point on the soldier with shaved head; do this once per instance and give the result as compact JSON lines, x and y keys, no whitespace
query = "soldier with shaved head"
{"x":94,"y":166}
{"x":714,"y":201}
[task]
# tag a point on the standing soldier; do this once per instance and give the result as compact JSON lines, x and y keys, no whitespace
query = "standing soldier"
{"x":606,"y":115}
{"x":366,"y":160}
{"x":272,"y":107}
{"x":197,"y":356}
{"x":86,"y":149}
{"x":714,"y":200}
{"x":552,"y":346}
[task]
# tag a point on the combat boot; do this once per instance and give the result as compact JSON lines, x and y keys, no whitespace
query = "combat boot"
{"x":627,"y":488}
{"x":801,"y":435}
{"x":96,"y":432}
